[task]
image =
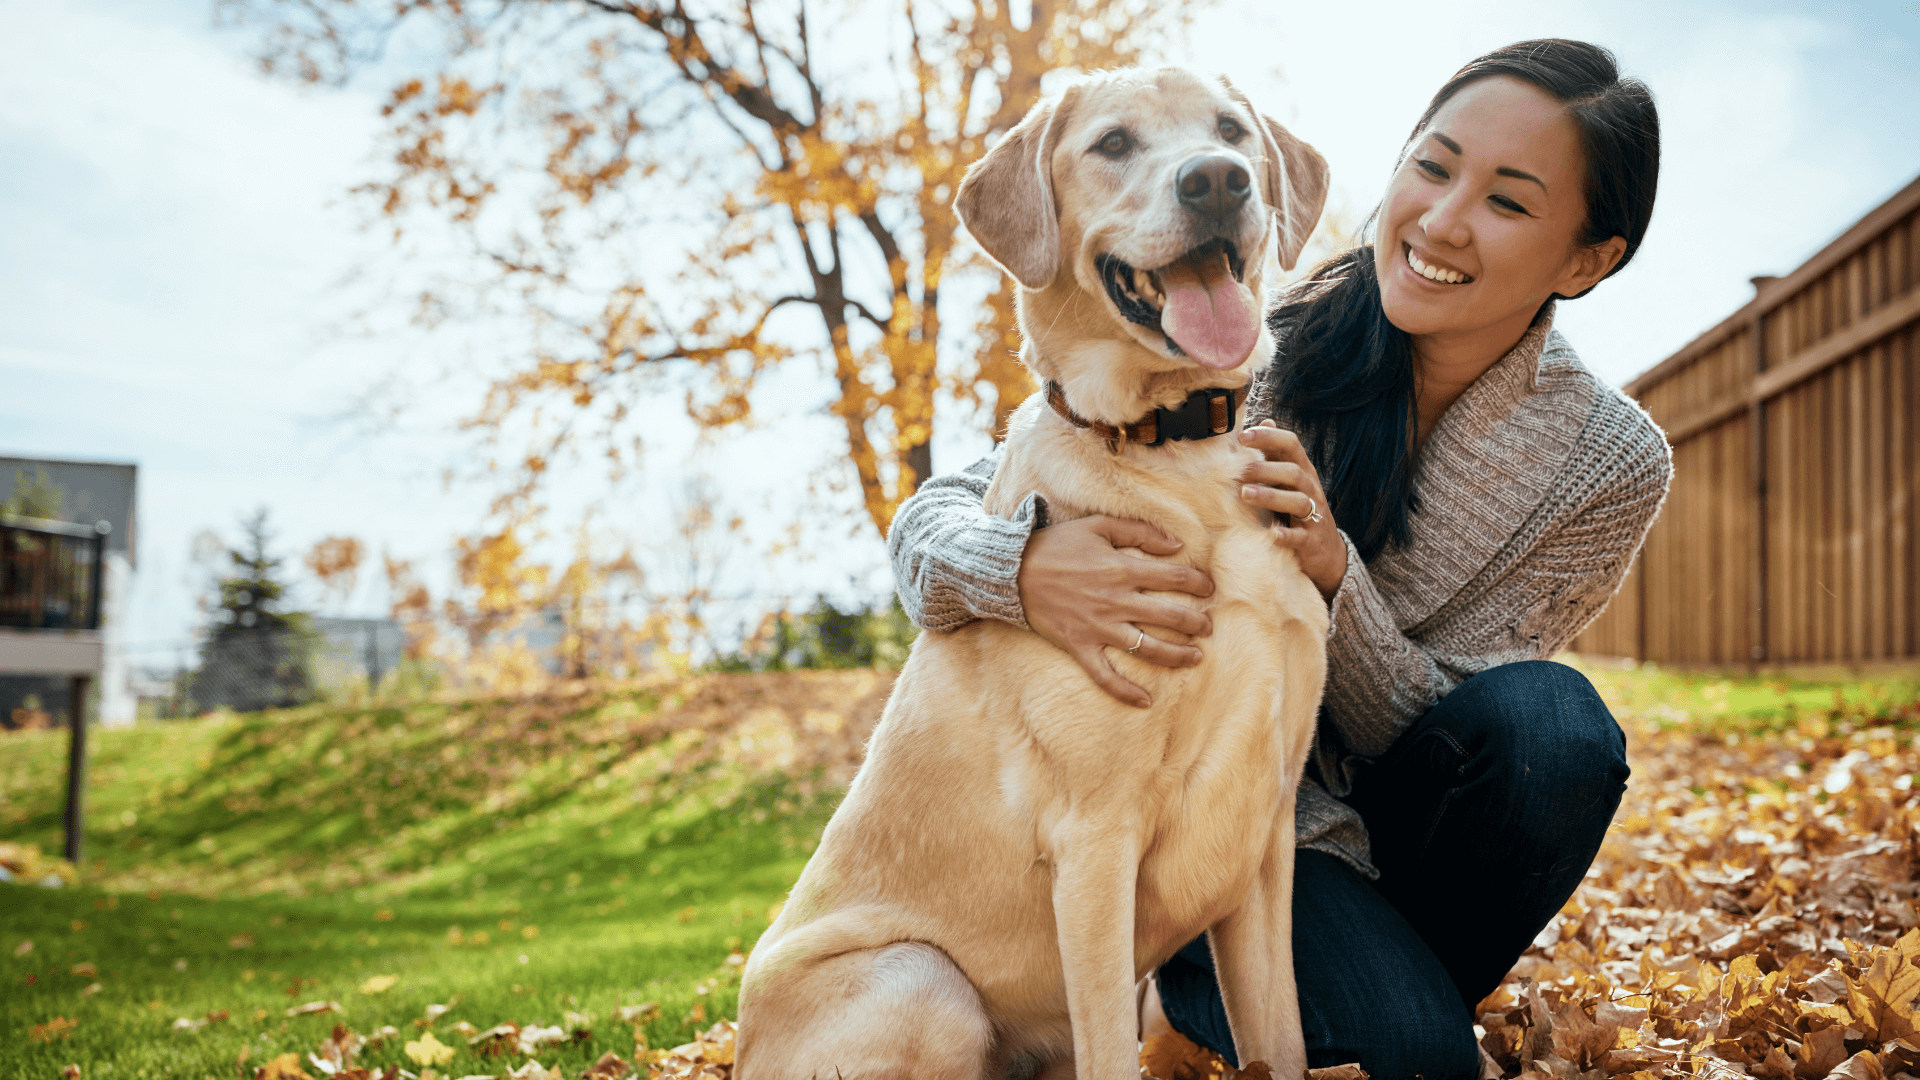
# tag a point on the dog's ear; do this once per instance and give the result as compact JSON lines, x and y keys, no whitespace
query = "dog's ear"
{"x":1296,"y":177}
{"x":1301,"y":184}
{"x":1006,"y":199}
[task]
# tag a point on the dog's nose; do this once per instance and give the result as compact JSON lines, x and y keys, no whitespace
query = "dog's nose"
{"x":1215,"y":185}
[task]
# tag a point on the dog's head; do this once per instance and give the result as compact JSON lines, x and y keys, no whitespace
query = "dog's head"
{"x":1139,"y":210}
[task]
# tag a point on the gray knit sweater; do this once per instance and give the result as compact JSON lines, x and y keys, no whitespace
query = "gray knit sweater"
{"x":1537,"y":487}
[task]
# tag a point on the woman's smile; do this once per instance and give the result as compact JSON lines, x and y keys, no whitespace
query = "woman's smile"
{"x":1433,"y":269}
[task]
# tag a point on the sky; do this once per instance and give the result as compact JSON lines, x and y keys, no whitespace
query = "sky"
{"x":180,"y":262}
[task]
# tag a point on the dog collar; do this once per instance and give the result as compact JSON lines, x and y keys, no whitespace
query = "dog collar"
{"x":1203,"y":415}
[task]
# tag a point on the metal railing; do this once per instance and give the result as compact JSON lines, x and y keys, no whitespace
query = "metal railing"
{"x":50,"y":573}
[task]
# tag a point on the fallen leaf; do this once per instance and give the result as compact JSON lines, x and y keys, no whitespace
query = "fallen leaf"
{"x":284,"y":1067}
{"x":429,"y":1051}
{"x":23,"y":948}
{"x":610,"y":1067}
{"x":533,"y":1037}
{"x":71,"y":1072}
{"x":312,"y":1007}
{"x":497,"y":1040}
{"x":379,"y":984}
{"x":635,"y":1014}
{"x":57,"y":1028}
{"x":340,"y":1047}
{"x":1173,"y":1056}
{"x":241,"y":941}
{"x":716,"y":1046}
{"x":1862,"y":1066}
{"x":84,"y":969}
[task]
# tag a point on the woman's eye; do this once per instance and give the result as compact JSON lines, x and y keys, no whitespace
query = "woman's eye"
{"x":1508,"y":204}
{"x":1115,"y":143}
{"x":1432,"y":168}
{"x":1230,"y":129}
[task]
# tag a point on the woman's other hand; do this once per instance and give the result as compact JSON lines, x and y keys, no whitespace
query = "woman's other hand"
{"x":1083,"y":594}
{"x":1287,"y":483}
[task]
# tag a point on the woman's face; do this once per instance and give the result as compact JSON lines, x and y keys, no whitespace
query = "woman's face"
{"x":1480,"y":222}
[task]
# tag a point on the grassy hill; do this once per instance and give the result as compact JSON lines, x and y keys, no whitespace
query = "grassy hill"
{"x":523,"y":860}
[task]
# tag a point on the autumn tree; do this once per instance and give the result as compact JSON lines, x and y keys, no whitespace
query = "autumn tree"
{"x":335,"y":563}
{"x":653,"y":188}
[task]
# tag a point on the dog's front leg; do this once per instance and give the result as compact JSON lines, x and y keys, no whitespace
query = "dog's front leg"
{"x":1095,"y":870}
{"x":1253,"y":958}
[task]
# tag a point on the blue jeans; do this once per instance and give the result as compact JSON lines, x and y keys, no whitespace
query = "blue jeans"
{"x":1484,"y":816}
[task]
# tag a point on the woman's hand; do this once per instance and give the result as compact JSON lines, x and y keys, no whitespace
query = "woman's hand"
{"x":1287,"y":483}
{"x":1082,"y":594}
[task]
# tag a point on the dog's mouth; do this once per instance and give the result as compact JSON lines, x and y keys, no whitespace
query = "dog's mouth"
{"x":1199,"y":302}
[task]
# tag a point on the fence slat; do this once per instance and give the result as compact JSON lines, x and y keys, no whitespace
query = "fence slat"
{"x":1906,"y":469}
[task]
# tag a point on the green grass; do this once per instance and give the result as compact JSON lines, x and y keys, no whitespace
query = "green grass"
{"x":528,"y":859}
{"x":1764,"y":704}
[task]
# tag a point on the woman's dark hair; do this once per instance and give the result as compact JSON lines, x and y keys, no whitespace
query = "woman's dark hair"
{"x":1344,"y":374}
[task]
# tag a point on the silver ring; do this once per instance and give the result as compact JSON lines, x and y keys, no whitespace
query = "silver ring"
{"x":1137,"y":642}
{"x":1313,"y":510}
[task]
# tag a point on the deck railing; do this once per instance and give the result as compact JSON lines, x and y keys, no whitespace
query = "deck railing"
{"x":50,"y":573}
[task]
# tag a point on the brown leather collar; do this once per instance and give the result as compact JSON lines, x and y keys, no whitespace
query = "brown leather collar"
{"x":1204,"y":414}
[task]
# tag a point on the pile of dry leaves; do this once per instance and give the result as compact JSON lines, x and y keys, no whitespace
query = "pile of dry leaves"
{"x":1752,"y":914}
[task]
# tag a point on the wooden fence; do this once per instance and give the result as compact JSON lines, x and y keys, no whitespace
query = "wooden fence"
{"x":1790,"y":533}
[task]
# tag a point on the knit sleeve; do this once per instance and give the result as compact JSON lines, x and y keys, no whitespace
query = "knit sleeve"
{"x":952,"y":561}
{"x":1380,"y":680}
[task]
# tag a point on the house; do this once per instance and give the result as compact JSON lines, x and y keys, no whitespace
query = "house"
{"x":67,"y":558}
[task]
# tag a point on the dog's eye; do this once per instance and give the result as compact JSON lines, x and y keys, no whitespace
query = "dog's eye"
{"x":1230,"y":129}
{"x":1114,"y":143}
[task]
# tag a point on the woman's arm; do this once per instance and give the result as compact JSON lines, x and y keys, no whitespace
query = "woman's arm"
{"x":1379,"y":680}
{"x":953,"y":562}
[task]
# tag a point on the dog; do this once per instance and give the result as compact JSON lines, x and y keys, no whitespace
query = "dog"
{"x":1019,"y":849}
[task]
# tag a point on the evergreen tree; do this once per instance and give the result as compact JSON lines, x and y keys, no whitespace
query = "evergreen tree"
{"x":258,"y":655}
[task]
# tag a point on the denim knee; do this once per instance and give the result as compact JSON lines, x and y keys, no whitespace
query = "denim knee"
{"x":1538,"y":731}
{"x":1538,"y":718}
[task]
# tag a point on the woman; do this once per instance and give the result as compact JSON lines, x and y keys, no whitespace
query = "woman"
{"x":1487,"y":495}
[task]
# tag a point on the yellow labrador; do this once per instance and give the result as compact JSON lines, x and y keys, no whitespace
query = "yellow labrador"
{"x":1018,"y":848}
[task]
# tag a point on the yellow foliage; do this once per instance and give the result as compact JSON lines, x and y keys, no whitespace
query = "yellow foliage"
{"x":842,"y":173}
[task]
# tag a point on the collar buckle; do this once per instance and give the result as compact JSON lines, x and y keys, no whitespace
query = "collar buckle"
{"x":1204,"y":414}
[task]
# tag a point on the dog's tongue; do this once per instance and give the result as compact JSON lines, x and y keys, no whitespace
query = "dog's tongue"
{"x":1209,"y":314}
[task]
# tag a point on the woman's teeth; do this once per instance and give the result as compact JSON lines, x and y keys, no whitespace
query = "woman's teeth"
{"x":1434,"y":273}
